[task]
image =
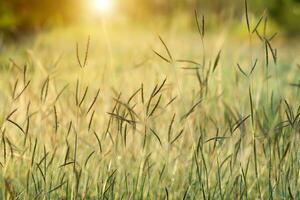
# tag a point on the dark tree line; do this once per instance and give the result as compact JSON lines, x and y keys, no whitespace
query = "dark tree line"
{"x":23,"y":16}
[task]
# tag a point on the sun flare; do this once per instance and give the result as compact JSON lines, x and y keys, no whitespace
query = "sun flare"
{"x":102,"y":5}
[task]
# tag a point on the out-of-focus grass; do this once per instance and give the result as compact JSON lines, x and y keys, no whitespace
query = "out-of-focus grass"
{"x":157,"y":129}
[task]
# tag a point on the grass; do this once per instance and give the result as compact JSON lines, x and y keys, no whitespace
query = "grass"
{"x":179,"y":116}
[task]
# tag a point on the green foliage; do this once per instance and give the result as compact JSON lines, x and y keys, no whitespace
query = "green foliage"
{"x":22,"y":16}
{"x":286,"y":13}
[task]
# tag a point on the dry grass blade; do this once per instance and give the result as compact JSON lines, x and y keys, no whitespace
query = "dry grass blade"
{"x":153,"y":91}
{"x":15,"y":88}
{"x":142,"y":93}
{"x":83,"y":96}
{"x":272,"y":37}
{"x":265,"y":26}
{"x":160,"y":87}
{"x":241,"y":70}
{"x":201,"y":29}
{"x":191,"y":110}
{"x":244,"y":175}
{"x":156,"y":136}
{"x":34,"y":183}
{"x":24,"y":74}
{"x":110,"y":119}
{"x":88,"y":158}
{"x":77,"y":55}
{"x":52,"y":158}
{"x":171,"y":101}
{"x":43,"y":159}
{"x":22,"y":91}
{"x":258,"y":35}
{"x":170,"y":127}
{"x":56,"y":187}
{"x":161,"y":172}
{"x":253,"y":67}
{"x":251,"y":107}
{"x":86,"y":54}
{"x":186,"y":193}
{"x":91,"y":120}
{"x":258,"y":23}
{"x":285,"y":153}
{"x":77,"y":93}
{"x":226,"y":159}
{"x":155,"y":106}
{"x":42,"y":173}
{"x":14,"y":64}
{"x":133,"y":95}
{"x":289,"y":114}
{"x":150,"y":100}
{"x":266,"y":54}
{"x":166,"y":47}
{"x":132,"y":113}
{"x":75,"y":149}
{"x":197,"y":22}
{"x":165,"y":59}
{"x":177,"y":137}
{"x":11,"y":113}
{"x":239,"y":123}
{"x":55,"y":119}
{"x":44,"y":90}
{"x":272,"y":51}
{"x":27,"y":129}
{"x":33,"y":153}
{"x":167,"y":193}
{"x":216,"y":61}
{"x":67,"y":153}
{"x":11,"y":148}
{"x":28,"y":108}
{"x":60,"y":93}
{"x":66,"y":164}
{"x":203,"y":26}
{"x":216,"y":139}
{"x":188,"y":61}
{"x":17,"y":125}
{"x":99,"y":142}
{"x":290,"y":192}
{"x":69,"y":128}
{"x":4,"y":145}
{"x":247,"y":16}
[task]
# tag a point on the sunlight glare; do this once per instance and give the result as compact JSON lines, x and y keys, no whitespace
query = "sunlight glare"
{"x":103,"y":6}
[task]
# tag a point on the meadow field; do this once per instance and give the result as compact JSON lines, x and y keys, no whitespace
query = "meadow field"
{"x":103,"y":111}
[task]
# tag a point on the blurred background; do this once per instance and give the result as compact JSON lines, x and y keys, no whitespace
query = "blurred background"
{"x":23,"y":17}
